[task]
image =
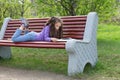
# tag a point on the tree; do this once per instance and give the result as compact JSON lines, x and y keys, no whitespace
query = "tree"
{"x":64,"y":7}
{"x":69,"y":6}
{"x":105,"y":8}
{"x":13,"y":9}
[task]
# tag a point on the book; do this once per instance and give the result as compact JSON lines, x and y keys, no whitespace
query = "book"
{"x":64,"y":39}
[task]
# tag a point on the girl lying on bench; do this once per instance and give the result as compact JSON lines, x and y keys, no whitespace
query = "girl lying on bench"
{"x":51,"y":32}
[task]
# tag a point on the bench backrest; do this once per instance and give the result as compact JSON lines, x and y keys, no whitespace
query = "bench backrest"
{"x":73,"y":26}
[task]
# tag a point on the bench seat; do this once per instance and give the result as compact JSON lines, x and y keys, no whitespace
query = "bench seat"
{"x":34,"y":44}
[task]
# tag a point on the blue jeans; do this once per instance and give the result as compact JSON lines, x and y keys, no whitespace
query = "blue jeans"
{"x":28,"y":36}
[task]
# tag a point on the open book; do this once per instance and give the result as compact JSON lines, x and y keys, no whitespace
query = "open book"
{"x":64,"y":39}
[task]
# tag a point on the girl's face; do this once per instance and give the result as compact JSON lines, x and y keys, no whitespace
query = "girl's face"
{"x":57,"y":25}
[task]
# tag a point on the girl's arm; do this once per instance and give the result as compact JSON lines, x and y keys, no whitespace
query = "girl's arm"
{"x":46,"y":35}
{"x":26,"y":31}
{"x":54,"y":39}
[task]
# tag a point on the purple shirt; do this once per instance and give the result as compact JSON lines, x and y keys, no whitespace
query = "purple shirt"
{"x":44,"y":34}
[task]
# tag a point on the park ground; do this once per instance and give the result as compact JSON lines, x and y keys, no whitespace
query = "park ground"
{"x":51,"y":64}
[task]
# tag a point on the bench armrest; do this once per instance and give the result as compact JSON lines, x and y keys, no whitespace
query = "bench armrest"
{"x":82,"y":41}
{"x":4,"y":26}
{"x":80,"y":53}
{"x":72,"y":43}
{"x":91,"y":26}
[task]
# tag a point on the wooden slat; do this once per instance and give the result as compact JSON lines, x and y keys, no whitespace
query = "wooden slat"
{"x":72,"y":17}
{"x":74,"y":37}
{"x":64,"y":23}
{"x":12,"y":31}
{"x":78,"y":36}
{"x":33,"y":44}
{"x":44,"y":20}
{"x":75,"y":26}
{"x":74,"y":23}
{"x":66,"y":30}
{"x":38,"y":19}
{"x":34,"y":24}
{"x":63,"y":33}
{"x":41,"y":27}
{"x":73,"y":32}
{"x":35,"y":27}
{"x":13,"y":25}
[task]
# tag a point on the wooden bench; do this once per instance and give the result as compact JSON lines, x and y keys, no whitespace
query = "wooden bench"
{"x":82,"y":49}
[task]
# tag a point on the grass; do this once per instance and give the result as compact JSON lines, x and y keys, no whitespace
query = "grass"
{"x":108,"y":52}
{"x":55,"y":60}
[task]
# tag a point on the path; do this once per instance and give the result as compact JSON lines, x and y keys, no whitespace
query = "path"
{"x":18,"y":74}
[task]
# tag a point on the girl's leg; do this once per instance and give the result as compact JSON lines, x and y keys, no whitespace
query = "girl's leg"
{"x":21,"y":38}
{"x":26,"y":31}
{"x":17,"y":37}
{"x":16,"y":34}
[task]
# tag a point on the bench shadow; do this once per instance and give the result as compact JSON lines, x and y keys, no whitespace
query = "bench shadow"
{"x":87,"y":68}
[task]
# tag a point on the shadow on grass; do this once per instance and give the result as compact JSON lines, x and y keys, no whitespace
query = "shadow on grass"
{"x":107,"y":41}
{"x":87,"y":68}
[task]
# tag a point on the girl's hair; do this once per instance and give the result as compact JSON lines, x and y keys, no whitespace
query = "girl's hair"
{"x":53,"y":33}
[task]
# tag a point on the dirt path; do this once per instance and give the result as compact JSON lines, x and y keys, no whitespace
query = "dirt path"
{"x":18,"y":74}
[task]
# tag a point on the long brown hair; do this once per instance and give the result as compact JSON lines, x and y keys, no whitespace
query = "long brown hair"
{"x":53,"y":33}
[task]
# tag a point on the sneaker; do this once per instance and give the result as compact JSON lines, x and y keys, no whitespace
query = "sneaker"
{"x":24,"y":22}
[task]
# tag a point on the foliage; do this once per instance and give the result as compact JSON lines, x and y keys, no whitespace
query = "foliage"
{"x":13,"y":9}
{"x":78,"y":7}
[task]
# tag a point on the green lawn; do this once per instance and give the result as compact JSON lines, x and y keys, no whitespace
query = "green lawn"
{"x":55,"y":60}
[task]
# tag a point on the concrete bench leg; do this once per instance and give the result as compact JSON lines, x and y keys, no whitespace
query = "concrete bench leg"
{"x":5,"y":52}
{"x":80,"y":54}
{"x":75,"y":64}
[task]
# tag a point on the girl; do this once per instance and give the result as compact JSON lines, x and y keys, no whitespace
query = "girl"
{"x":51,"y":32}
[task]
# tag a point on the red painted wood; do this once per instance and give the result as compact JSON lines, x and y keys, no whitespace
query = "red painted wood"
{"x":33,"y":44}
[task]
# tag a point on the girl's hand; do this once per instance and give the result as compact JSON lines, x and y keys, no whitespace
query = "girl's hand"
{"x":54,"y":39}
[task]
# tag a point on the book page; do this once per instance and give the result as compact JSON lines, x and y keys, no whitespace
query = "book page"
{"x":64,"y":39}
